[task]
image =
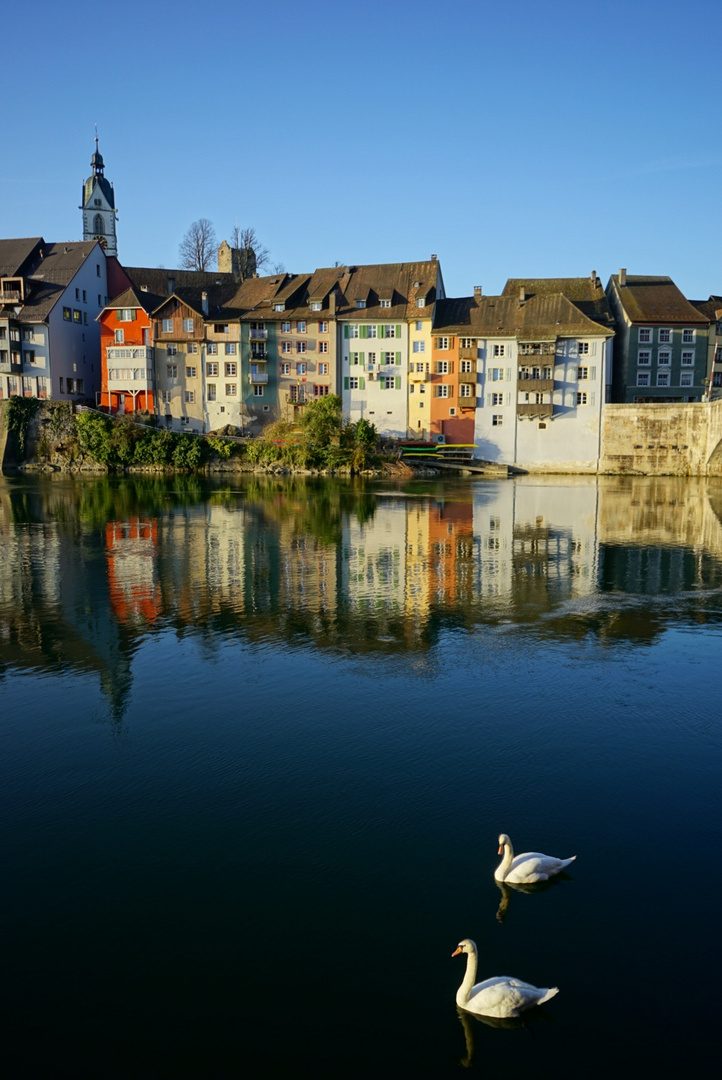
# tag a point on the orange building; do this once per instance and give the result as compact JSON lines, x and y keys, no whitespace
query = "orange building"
{"x":126,"y":353}
{"x":453,"y":387}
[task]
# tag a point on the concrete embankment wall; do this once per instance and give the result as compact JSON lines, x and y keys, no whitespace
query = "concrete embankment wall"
{"x":662,"y":440}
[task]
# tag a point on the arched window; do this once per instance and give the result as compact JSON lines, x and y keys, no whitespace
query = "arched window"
{"x":98,"y":227}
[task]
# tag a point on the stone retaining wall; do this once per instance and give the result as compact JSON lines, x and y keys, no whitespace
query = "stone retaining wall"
{"x":662,"y":440}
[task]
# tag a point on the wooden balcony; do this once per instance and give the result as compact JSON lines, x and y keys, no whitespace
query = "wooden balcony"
{"x":540,"y":386}
{"x":543,"y":411}
{"x":468,"y":352}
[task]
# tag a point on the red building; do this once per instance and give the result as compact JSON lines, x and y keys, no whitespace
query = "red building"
{"x":126,"y":349}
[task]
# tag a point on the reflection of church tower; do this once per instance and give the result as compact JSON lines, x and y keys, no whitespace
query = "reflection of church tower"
{"x":99,"y":206}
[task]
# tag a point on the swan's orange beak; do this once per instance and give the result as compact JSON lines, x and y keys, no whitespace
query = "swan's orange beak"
{"x":501,"y":850}
{"x":456,"y":952}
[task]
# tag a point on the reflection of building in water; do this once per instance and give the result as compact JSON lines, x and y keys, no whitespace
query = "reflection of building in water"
{"x":417,"y":560}
{"x":203,"y":560}
{"x":373,"y":576}
{"x":131,"y":550}
{"x":308,"y":572}
{"x":535,"y":541}
{"x":450,"y":577}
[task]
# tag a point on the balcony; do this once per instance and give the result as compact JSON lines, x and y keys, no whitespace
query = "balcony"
{"x":542,"y":411}
{"x":259,"y":354}
{"x":540,"y":386}
{"x":467,"y":377}
{"x":467,"y":402}
{"x":258,"y":378}
{"x":130,"y":352}
{"x":419,"y":376}
{"x":468,"y":352}
{"x":537,"y":348}
{"x":130,"y":380}
{"x":258,"y":335}
{"x":11,"y":296}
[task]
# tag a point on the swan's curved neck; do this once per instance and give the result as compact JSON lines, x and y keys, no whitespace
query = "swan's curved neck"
{"x":506,"y":861}
{"x":462,"y":994}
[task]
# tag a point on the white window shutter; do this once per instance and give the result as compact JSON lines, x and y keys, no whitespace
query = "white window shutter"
{"x":592,"y":397}
{"x":508,"y":399}
{"x":508,"y":374}
{"x":593,"y":372}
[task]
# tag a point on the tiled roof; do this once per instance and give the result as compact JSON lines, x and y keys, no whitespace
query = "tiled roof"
{"x":401,"y":283}
{"x":540,"y":317}
{"x":14,"y":253}
{"x":709,"y":308}
{"x":157,"y":279}
{"x":134,"y":298}
{"x":654,"y":300}
{"x":587,"y":293}
{"x":50,"y":276}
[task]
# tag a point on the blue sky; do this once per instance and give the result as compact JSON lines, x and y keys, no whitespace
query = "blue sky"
{"x":513,"y":139}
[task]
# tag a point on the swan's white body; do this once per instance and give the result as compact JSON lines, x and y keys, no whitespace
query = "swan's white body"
{"x":527,"y":868}
{"x":500,"y":996}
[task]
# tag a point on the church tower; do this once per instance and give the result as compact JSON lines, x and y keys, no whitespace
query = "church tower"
{"x":99,"y":206}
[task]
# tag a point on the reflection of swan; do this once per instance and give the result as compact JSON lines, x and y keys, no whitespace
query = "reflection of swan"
{"x":529,"y":868}
{"x":508,"y":888}
{"x":500,"y":996}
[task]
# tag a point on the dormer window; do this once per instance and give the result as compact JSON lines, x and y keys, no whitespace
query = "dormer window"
{"x":315,"y":305}
{"x":421,"y":301}
{"x":362,"y":304}
{"x":384,"y":303}
{"x":279,"y":307}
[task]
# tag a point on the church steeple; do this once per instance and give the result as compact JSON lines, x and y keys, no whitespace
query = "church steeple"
{"x":98,"y":206}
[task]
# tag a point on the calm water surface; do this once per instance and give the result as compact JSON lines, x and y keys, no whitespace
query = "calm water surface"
{"x":259,"y":740}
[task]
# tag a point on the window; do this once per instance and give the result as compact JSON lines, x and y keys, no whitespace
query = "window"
{"x":497,"y":419}
{"x":220,"y":328}
{"x":286,"y":346}
{"x":165,"y":396}
{"x":388,"y":358}
{"x":120,"y":337}
{"x":384,"y":303}
{"x":442,"y":367}
{"x":419,"y":325}
{"x":77,"y":294}
{"x":191,"y":347}
{"x":497,"y":399}
{"x":211,"y":391}
{"x":230,"y":369}
{"x":67,"y":314}
{"x":360,"y":303}
{"x":496,"y":374}
{"x":356,"y":358}
{"x":126,"y":315}
{"x":286,"y":326}
{"x":645,"y":334}
{"x":371,"y":331}
{"x":97,"y":269}
{"x":443,"y":390}
{"x":300,"y":346}
{"x":323,"y":369}
{"x":212,"y":348}
{"x":664,"y":357}
{"x":662,"y":378}
{"x":166,"y":326}
{"x":500,"y":350}
{"x":279,"y":307}
{"x":315,"y":305}
{"x":191,"y":372}
{"x":77,"y":315}
{"x":29,"y":356}
{"x":301,"y":326}
{"x":301,"y":369}
{"x":353,"y":330}
{"x":323,"y":346}
{"x":665,"y":337}
{"x":466,"y":343}
{"x":323,"y":327}
{"x":353,"y":382}
{"x":442,"y":343}
{"x":465,"y":390}
{"x":388,"y":382}
{"x":189,"y":396}
{"x":644,"y":356}
{"x":258,"y":391}
{"x":583,"y":348}
{"x":320,"y":390}
{"x":419,"y":346}
{"x":685,"y":378}
{"x":371,"y":359}
{"x":687,"y":358}
{"x":582,"y":373}
{"x":465,"y":366}
{"x":389,"y":330}
{"x":231,"y":389}
{"x":171,"y":371}
{"x":187,"y":326}
{"x":230,"y":348}
{"x":581,"y":398}
{"x":100,"y":300}
{"x":285,"y":369}
{"x":421,"y":302}
{"x":688,"y":337}
{"x":212,"y":371}
{"x":172,"y":350}
{"x":642,"y":378}
{"x":85,"y":296}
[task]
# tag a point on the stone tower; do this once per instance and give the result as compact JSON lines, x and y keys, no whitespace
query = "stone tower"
{"x":98,"y":206}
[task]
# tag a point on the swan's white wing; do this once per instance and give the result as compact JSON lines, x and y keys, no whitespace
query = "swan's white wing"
{"x":503,"y":996}
{"x":534,"y":866}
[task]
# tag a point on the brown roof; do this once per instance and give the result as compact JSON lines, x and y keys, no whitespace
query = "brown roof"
{"x":540,"y":317}
{"x":135,"y":298}
{"x":401,"y":283}
{"x":157,"y":279}
{"x":709,"y":308}
{"x":15,"y":253}
{"x":587,"y":293}
{"x":51,"y":275}
{"x":654,"y":300}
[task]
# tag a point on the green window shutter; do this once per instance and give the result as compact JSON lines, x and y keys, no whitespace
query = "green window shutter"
{"x":362,"y":383}
{"x":380,"y":331}
{"x":345,"y":330}
{"x":362,"y":359}
{"x":398,"y":331}
{"x":345,"y":382}
{"x":398,"y":357}
{"x":398,"y":382}
{"x":363,"y":331}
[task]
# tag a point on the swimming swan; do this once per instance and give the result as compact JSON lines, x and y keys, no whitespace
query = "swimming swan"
{"x":527,"y":868}
{"x":501,"y":996}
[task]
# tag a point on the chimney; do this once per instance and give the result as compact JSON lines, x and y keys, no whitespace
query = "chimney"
{"x":593,"y":278}
{"x":522,"y":294}
{"x":332,"y":303}
{"x":433,"y":258}
{"x":170,"y":284}
{"x":477,"y":292}
{"x":622,"y":277}
{"x":204,"y":303}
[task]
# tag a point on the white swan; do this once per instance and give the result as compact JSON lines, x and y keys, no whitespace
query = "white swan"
{"x":527,"y":868}
{"x":501,"y":996}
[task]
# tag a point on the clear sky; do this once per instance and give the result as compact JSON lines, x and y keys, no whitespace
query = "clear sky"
{"x":513,"y":139}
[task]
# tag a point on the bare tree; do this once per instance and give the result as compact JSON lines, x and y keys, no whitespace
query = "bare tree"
{"x":198,"y":247}
{"x":252,"y":255}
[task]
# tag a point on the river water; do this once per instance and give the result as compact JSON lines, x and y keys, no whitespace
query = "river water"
{"x":259,"y":739}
